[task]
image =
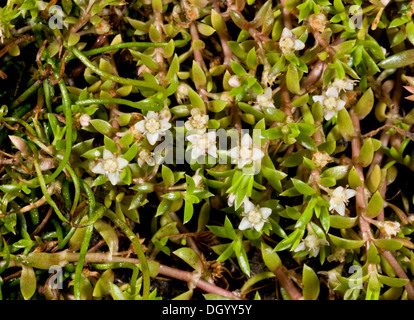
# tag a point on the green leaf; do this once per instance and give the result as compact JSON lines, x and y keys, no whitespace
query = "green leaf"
{"x":103,"y":127}
{"x":251,"y":60}
{"x":346,"y":243}
{"x":375,"y":205}
{"x":293,"y":79}
{"x":353,"y":179}
{"x":307,"y":214}
{"x":388,"y":244}
{"x":409,"y":29}
{"x":365,"y":104}
{"x":311,"y":284}
{"x":302,"y":187}
{"x":218,"y":22}
{"x":167,"y":176}
{"x":191,"y":258}
{"x":338,"y":172}
{"x":228,"y":227}
{"x":398,"y":60}
{"x":367,"y":153}
{"x":103,"y":285}
{"x":372,"y":255}
{"x":307,"y":142}
{"x":342,"y":222}
{"x":27,"y":282}
{"x":346,"y":128}
{"x":199,"y":77}
{"x":392,"y":282}
{"x":270,"y":257}
{"x":238,"y":69}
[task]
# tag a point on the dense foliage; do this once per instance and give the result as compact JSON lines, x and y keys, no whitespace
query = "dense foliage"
{"x":206,"y":149}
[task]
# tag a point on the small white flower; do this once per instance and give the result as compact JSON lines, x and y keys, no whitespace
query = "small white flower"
{"x":198,"y":121}
{"x":389,"y":228}
{"x":234,"y":81}
{"x":146,"y":156}
{"x":264,"y":100}
{"x":345,"y":84}
{"x":111,"y":166}
{"x":311,"y":243}
{"x":85,"y":120}
{"x":245,"y":153}
{"x":203,"y":144}
{"x":330,"y":102}
{"x":232,"y":197}
{"x":153,"y":126}
{"x":339,"y":199}
{"x":254,"y":216}
{"x":288,"y":43}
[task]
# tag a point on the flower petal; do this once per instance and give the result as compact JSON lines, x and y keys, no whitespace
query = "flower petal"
{"x":140,"y":126}
{"x":299,"y":45}
{"x":340,"y":208}
{"x":98,"y":169}
{"x":114,"y":178}
{"x":328,"y":114}
{"x":246,"y":140}
{"x":248,"y":206}
{"x":286,"y":33}
{"x":332,"y":92}
{"x":349,"y":193}
{"x":107,"y":154}
{"x":152,"y":138}
{"x":245,"y":224}
{"x":259,"y":226}
{"x":266,"y":212}
{"x":319,"y":99}
{"x":122,"y":163}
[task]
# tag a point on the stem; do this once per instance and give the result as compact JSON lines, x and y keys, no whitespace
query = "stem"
{"x":138,"y":248}
{"x":118,"y":46}
{"x":103,"y":74}
{"x":287,"y":284}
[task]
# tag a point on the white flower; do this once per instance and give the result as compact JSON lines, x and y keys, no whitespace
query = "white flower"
{"x":146,"y":156}
{"x":330,"y":102}
{"x":153,"y":126}
{"x":202,"y":144}
{"x":264,"y":100}
{"x":288,"y":43}
{"x":345,"y":84}
{"x":232,"y":197}
{"x":198,"y":121}
{"x":234,"y":81}
{"x":254,"y":216}
{"x":111,"y":166}
{"x":339,"y":199}
{"x":389,"y":228}
{"x":245,"y":153}
{"x":311,"y":243}
{"x":85,"y":120}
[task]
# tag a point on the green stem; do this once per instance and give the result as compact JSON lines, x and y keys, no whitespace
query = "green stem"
{"x":26,"y":94}
{"x":138,"y":248}
{"x":106,"y":75}
{"x":81,"y":261}
{"x":118,"y":46}
{"x":114,"y":100}
{"x":44,"y":189}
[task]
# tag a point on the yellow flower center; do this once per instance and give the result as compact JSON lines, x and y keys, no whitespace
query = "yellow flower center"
{"x":330,"y":103}
{"x":254,"y":216}
{"x":110,"y":165}
{"x":287,"y":43}
{"x":152,"y":125}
